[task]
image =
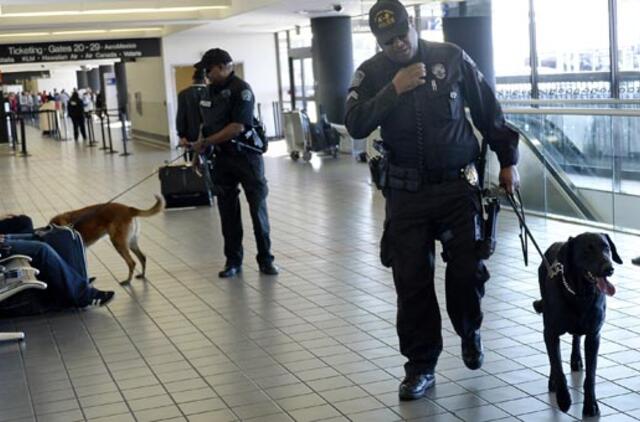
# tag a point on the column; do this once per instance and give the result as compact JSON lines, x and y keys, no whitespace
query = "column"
{"x":332,"y":54}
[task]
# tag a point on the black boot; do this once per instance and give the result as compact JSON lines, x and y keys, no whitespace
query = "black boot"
{"x":268,"y":269}
{"x":472,"y":353}
{"x":415,"y":386}
{"x":230,"y":271}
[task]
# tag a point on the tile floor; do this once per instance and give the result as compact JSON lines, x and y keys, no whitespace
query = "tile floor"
{"x":315,"y":343}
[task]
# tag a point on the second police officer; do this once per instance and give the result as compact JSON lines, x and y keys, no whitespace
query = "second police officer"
{"x":227,"y":114}
{"x":416,"y":92}
{"x":188,"y":117}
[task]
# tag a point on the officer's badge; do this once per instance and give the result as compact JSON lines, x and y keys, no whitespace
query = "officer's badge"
{"x":471,"y":174}
{"x":439,"y":71}
{"x":226,"y":93}
{"x":358,"y":77}
{"x":385,"y":18}
{"x":246,"y":95}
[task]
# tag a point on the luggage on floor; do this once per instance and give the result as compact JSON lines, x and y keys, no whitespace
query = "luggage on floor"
{"x":182,"y":187}
{"x":68,"y":243}
{"x":302,"y":135}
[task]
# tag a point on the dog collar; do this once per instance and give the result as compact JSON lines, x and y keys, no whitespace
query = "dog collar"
{"x":558,"y":268}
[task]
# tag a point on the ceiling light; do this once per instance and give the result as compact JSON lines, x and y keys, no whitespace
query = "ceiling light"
{"x":112,"y":11}
{"x":135,"y":29}
{"x":24,"y":34}
{"x":88,"y":31}
{"x":78,"y":32}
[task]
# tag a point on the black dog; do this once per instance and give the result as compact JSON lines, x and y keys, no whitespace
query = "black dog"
{"x":573,"y":301}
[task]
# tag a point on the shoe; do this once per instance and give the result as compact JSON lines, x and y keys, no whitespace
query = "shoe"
{"x":414,"y":387}
{"x":101,"y":298}
{"x":472,"y":354}
{"x":91,"y":280}
{"x":636,"y":261}
{"x":230,"y":271}
{"x":269,"y":269}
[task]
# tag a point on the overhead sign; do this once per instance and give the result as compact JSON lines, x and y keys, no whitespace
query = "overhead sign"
{"x":79,"y":50}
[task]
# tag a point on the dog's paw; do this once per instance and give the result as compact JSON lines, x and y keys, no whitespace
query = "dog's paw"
{"x":590,"y":408}
{"x":141,"y":276}
{"x":576,"y":365}
{"x":563,"y":398}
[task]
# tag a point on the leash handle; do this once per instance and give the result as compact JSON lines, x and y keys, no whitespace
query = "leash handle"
{"x":523,"y":225}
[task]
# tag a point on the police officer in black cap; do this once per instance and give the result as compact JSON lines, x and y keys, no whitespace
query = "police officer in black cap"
{"x":416,"y":92}
{"x":188,"y":118}
{"x":228,"y":114}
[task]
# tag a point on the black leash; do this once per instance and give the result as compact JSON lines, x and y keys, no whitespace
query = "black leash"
{"x":130,"y":188}
{"x":518,"y":208}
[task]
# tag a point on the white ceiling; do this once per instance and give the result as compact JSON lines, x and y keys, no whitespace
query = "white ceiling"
{"x":241,"y":16}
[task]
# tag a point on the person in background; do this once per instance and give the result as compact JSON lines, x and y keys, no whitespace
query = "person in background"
{"x":188,"y":118}
{"x":75,"y":108}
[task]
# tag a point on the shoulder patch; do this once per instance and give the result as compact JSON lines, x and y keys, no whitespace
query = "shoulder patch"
{"x":246,"y":95}
{"x":358,"y":77}
{"x":353,"y":95}
{"x":467,"y":58}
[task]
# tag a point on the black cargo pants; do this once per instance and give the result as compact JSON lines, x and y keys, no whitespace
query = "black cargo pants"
{"x":247,"y":170}
{"x":450,"y":213}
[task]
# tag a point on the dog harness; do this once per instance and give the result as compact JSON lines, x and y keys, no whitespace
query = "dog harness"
{"x":558,"y":269}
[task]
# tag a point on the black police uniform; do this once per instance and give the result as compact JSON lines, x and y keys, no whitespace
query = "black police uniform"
{"x":430,"y":142}
{"x":75,"y":109}
{"x":188,"y":118}
{"x":233,"y":102}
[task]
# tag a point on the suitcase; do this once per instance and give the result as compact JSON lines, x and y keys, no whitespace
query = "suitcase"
{"x":68,"y":243}
{"x":182,"y":187}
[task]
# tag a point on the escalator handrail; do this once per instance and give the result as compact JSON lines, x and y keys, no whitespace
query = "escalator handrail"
{"x":575,"y":111}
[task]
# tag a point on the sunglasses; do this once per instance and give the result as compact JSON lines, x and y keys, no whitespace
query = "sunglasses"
{"x":393,"y":40}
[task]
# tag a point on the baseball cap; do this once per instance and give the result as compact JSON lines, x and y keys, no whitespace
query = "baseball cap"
{"x":212,"y":57}
{"x":388,"y":19}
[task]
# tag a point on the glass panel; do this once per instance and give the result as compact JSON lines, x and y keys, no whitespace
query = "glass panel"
{"x":431,"y":25}
{"x":574,"y":50}
{"x":364,"y":47}
{"x":511,"y":48}
{"x":629,"y":35}
{"x":284,"y":69}
{"x":580,"y":166}
{"x":301,"y":37}
{"x":298,"y":86}
{"x":309,"y":79}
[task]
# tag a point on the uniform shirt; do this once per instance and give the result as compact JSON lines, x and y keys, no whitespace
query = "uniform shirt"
{"x":435,"y":110}
{"x":229,"y":102}
{"x":188,"y":119}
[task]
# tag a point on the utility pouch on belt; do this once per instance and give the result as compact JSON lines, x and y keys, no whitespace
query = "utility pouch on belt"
{"x":379,"y":166}
{"x":490,"y":207}
{"x":486,"y":246}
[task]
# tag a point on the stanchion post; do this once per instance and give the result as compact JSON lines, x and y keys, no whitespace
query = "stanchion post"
{"x":104,"y":145}
{"x":111,"y":150}
{"x":14,"y":130}
{"x":124,"y":135}
{"x":23,"y":135}
{"x":92,"y":136}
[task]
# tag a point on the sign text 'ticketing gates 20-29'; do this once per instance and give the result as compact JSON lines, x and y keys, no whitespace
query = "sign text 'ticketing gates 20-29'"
{"x":79,"y":50}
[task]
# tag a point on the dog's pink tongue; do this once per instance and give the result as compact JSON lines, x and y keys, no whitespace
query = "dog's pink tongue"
{"x":606,"y":287}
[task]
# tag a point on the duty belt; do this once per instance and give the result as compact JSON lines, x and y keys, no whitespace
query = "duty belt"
{"x":412,"y":179}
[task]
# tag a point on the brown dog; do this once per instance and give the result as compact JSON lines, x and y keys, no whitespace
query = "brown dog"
{"x":118,"y":221}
